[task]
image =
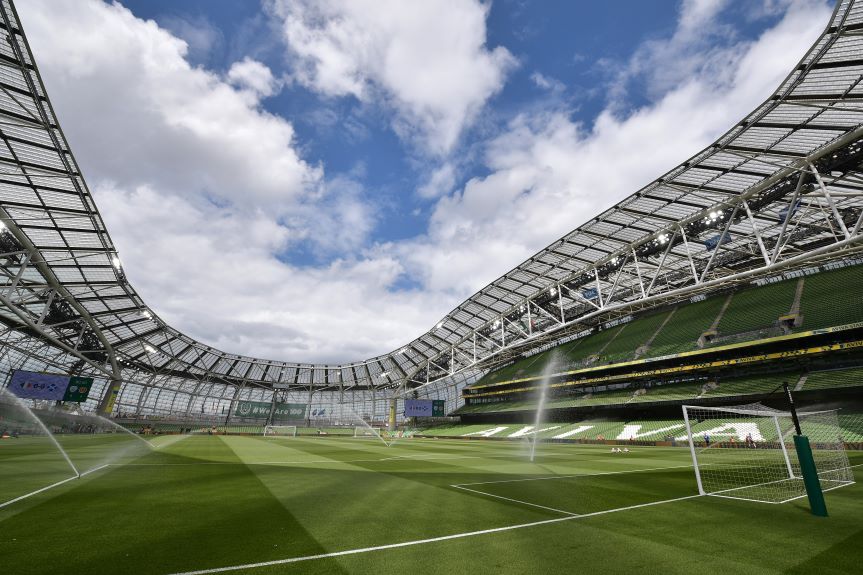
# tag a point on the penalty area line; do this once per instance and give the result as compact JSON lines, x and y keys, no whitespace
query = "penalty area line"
{"x":424,"y":541}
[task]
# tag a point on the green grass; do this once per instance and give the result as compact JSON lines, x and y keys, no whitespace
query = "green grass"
{"x":204,"y":502}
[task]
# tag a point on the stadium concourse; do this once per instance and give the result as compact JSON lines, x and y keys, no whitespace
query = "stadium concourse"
{"x":620,"y":401}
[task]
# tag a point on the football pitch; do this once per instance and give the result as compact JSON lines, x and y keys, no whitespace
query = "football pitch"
{"x":261,"y":506}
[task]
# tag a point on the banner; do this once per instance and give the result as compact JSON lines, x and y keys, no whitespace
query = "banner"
{"x":261,"y":410}
{"x":424,"y":408}
{"x":106,"y":406}
{"x":78,"y":389}
{"x":712,"y":242}
{"x":438,"y":409}
{"x":418,"y":408}
{"x":31,"y":385}
{"x":50,"y":386}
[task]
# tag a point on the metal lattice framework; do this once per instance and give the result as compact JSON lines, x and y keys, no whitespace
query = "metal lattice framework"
{"x":782,"y":188}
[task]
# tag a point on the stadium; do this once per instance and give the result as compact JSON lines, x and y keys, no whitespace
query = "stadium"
{"x":676,"y":385}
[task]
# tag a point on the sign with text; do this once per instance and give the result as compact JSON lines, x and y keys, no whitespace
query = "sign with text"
{"x":50,"y":386}
{"x":418,"y":408}
{"x":438,"y":409}
{"x":261,"y":410}
{"x":424,"y":408}
{"x":78,"y":389}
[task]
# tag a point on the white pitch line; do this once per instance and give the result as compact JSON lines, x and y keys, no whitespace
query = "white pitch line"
{"x":424,"y":541}
{"x":26,"y":495}
{"x":95,"y":469}
{"x":57,"y":484}
{"x":300,"y":462}
{"x":169,"y":441}
{"x":519,"y":501}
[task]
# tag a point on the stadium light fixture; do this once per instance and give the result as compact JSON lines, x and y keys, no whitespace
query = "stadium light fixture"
{"x":115,"y":261}
{"x":146,"y":314}
{"x":149,"y":348}
{"x":439,"y":324}
{"x":553,"y":290}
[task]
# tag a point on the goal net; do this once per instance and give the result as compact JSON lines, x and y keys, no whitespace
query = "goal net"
{"x":747,"y":452}
{"x":365,"y":432}
{"x":280,"y":431}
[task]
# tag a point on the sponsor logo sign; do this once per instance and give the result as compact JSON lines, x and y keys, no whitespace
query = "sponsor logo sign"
{"x":261,"y":410}
{"x":50,"y":386}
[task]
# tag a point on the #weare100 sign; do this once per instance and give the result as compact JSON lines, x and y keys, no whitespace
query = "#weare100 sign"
{"x":261,"y":410}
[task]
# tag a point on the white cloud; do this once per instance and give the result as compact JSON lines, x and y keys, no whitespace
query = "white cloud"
{"x":547,"y":83}
{"x":202,"y":190}
{"x":427,"y":59}
{"x":439,"y":183}
{"x":549,"y":174}
{"x":136,"y":111}
{"x":199,"y":33}
{"x":254,"y":76}
{"x":212,"y":271}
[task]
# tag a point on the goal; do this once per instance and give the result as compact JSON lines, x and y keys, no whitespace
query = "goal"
{"x":280,"y":431}
{"x":747,"y":451}
{"x":365,"y":432}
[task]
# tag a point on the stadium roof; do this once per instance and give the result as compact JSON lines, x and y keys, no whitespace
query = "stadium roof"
{"x":781,"y":188}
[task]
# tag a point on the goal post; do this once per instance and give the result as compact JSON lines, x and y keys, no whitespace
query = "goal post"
{"x":280,"y":431}
{"x":365,"y":432}
{"x":752,"y":452}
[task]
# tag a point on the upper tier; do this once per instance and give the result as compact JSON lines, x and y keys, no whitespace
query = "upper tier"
{"x":799,"y":304}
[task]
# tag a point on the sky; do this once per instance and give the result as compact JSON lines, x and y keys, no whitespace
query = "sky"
{"x":323,"y":181}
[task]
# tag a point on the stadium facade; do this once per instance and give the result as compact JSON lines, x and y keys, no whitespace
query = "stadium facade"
{"x":779,"y":195}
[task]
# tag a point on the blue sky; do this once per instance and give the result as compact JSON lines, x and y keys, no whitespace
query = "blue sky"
{"x":322,"y":181}
{"x":577,"y":45}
